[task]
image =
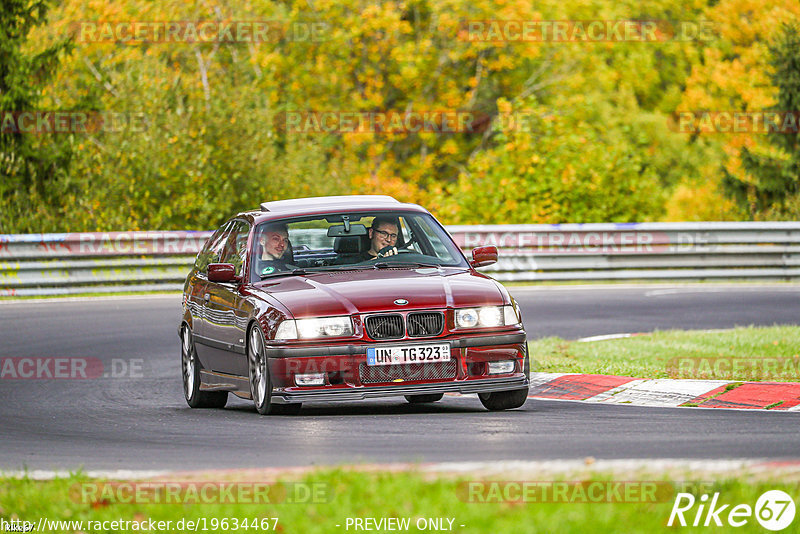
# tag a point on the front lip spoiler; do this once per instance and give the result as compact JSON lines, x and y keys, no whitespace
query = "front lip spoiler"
{"x":361,"y":393}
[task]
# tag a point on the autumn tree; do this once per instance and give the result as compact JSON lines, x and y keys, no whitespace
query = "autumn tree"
{"x":729,"y":74}
{"x":592,"y":142}
{"x":29,"y":166}
{"x":774,"y":169}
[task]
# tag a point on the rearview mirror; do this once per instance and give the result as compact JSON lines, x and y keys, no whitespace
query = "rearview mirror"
{"x":338,"y":230}
{"x":483,"y":256}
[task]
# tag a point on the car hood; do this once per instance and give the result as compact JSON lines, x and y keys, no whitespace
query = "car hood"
{"x":367,"y":291}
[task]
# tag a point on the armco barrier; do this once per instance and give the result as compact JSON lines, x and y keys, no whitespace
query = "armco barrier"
{"x":54,"y":264}
{"x":627,"y":251}
{"x":46,"y":264}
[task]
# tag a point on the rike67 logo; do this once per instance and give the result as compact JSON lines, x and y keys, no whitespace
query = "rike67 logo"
{"x":774,"y":510}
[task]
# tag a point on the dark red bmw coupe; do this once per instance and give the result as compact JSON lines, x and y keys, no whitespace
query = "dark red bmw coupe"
{"x":346,"y":298}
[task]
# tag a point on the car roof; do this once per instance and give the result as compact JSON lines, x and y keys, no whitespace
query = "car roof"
{"x":294,"y":207}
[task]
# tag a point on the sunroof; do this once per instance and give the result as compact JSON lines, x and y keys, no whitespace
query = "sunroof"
{"x":280,"y":205}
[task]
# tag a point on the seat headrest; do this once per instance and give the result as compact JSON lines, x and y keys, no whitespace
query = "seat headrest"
{"x":349,"y":245}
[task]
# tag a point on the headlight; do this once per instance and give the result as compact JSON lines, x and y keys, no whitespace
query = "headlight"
{"x":467,"y":318}
{"x":490,"y":316}
{"x":486,"y":317}
{"x":315,"y":328}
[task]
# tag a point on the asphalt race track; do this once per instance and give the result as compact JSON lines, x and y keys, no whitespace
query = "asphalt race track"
{"x":140,"y":420}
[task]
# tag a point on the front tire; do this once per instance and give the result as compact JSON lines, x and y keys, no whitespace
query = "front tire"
{"x":260,"y":382}
{"x":424,"y":399}
{"x":190,"y":367}
{"x":503,"y":400}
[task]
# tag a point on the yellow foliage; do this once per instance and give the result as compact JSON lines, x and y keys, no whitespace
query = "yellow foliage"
{"x":700,"y":201}
{"x":734,"y":75}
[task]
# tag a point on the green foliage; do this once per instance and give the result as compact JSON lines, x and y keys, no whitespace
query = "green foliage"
{"x":31,"y":168}
{"x":595,"y":146}
{"x":775,"y":191}
{"x":571,"y":166}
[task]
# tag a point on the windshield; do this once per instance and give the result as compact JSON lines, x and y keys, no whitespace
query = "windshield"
{"x":351,"y":241}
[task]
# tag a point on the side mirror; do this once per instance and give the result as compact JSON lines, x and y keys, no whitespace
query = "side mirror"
{"x":222,"y":272}
{"x":483,"y":256}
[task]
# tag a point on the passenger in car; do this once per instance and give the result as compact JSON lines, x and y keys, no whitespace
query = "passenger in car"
{"x":276,"y":250}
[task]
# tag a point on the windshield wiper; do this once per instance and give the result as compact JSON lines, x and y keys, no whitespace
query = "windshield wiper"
{"x":293,"y":272}
{"x":351,"y":267}
{"x":386,"y":264}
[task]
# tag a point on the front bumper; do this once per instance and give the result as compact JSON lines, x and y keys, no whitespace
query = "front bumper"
{"x":344,"y":364}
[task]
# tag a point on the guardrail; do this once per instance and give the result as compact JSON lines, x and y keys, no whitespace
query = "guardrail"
{"x":50,"y":264}
{"x":639,"y":251}
{"x":105,"y":262}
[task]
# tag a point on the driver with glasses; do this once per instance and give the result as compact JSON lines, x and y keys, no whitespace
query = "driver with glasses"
{"x":382,"y":238}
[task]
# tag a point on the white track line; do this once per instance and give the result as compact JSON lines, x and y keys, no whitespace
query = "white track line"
{"x":604,"y":337}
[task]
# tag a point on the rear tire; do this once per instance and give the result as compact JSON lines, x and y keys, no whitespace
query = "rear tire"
{"x":190,"y":367}
{"x":503,"y":400}
{"x":424,"y":399}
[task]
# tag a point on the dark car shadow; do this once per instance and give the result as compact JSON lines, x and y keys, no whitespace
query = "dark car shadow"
{"x":453,"y":405}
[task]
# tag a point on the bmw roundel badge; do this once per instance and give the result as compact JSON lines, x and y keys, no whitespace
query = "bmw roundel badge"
{"x":401,"y":302}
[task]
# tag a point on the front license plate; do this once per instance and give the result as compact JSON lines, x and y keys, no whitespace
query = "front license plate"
{"x":397,"y":355}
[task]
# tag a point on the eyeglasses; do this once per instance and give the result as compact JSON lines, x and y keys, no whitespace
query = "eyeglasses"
{"x":387,"y":234}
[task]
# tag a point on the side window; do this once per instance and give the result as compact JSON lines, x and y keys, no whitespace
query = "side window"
{"x":212,"y":252}
{"x":236,"y":245}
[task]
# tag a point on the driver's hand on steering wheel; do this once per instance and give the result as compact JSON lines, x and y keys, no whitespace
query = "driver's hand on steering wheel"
{"x":387,"y":251}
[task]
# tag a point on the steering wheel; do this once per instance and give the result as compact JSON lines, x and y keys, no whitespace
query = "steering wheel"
{"x":400,"y":249}
{"x":407,"y":244}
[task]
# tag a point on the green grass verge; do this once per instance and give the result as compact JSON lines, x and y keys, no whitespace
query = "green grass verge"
{"x":412,"y":495}
{"x":752,"y":354}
